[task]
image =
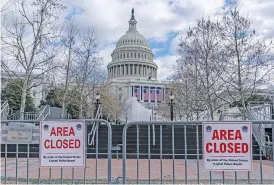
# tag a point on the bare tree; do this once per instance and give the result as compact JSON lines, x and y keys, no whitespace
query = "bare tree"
{"x":199,"y":67}
{"x":248,"y":59}
{"x":28,"y":34}
{"x":112,"y":102}
{"x":69,"y":40}
{"x":6,"y":5}
{"x":87,"y":69}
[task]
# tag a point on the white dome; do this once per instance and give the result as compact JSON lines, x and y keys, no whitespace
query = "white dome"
{"x":132,"y":57}
{"x":132,"y":38}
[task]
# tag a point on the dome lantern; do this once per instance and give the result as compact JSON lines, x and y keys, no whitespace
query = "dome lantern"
{"x":132,"y":22}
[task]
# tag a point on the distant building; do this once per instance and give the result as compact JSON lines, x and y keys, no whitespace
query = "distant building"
{"x":133,"y":70}
{"x":37,"y":91}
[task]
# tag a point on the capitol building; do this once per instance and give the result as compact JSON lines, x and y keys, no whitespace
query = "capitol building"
{"x":133,"y":70}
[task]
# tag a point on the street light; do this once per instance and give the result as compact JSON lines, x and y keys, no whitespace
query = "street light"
{"x":97,"y":103}
{"x":171,"y":97}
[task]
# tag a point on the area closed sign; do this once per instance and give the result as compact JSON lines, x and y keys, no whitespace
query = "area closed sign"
{"x":227,"y":146}
{"x":62,"y":144}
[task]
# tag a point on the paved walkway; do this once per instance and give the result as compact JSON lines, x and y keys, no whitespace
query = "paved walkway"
{"x":155,"y":171}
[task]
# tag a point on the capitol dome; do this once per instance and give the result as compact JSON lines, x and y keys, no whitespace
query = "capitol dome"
{"x":132,"y":38}
{"x":132,"y":58}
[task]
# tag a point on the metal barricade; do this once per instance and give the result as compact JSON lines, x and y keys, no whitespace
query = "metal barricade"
{"x":20,"y":162}
{"x":177,"y":156}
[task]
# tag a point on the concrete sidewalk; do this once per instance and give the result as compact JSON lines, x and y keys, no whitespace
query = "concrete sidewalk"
{"x":155,"y":170}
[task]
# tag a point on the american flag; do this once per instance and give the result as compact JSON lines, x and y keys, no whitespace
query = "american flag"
{"x":146,"y":94}
{"x":159,"y":93}
{"x":152,"y":94}
{"x":137,"y":92}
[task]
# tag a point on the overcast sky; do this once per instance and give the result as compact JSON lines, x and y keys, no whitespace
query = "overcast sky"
{"x":162,"y":22}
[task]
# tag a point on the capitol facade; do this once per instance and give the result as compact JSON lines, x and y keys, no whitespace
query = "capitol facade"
{"x":133,"y":70}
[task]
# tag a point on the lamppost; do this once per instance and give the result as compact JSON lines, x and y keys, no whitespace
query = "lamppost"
{"x":171,"y":97}
{"x":97,"y":103}
{"x":155,"y":116}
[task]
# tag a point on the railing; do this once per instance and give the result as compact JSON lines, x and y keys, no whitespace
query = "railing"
{"x":262,"y":111}
{"x":31,"y":115}
{"x":4,"y":110}
{"x":44,"y":113}
{"x":255,"y":113}
{"x":233,"y":117}
{"x":26,"y":116}
{"x":94,"y":126}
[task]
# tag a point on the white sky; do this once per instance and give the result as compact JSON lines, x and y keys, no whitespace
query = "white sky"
{"x":156,"y":20}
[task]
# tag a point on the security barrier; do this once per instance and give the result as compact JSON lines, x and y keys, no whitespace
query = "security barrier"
{"x":177,"y":156}
{"x":20,"y":162}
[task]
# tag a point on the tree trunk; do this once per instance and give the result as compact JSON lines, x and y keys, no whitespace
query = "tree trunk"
{"x":63,"y":104}
{"x":23,"y":98}
{"x":81,"y":106}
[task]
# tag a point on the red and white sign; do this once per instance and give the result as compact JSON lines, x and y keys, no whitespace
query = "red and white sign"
{"x":62,"y":144}
{"x":227,"y":146}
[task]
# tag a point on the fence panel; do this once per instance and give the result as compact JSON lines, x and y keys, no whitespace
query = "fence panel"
{"x":177,"y":156}
{"x":20,"y":162}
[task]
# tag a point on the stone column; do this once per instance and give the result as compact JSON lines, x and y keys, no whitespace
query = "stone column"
{"x":145,"y":69}
{"x":111,"y":71}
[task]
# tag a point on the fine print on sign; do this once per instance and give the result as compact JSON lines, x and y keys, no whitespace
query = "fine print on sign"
{"x":227,"y":146}
{"x":19,"y":132}
{"x":62,"y":144}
